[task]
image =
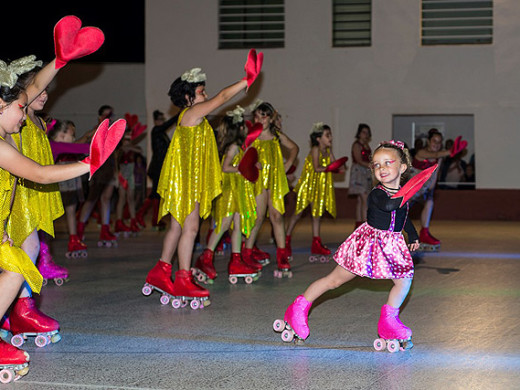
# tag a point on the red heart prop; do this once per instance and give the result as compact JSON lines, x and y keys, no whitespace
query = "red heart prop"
{"x":138,"y":130}
{"x":253,"y":66}
{"x":104,"y":142}
{"x":131,"y":120}
{"x":414,"y":184}
{"x":247,"y":166}
{"x":458,"y":146}
{"x":72,"y":42}
{"x":253,"y":131}
{"x":336,"y":165}
{"x":122,"y":181}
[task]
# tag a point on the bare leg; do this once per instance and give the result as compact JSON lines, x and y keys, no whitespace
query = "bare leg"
{"x":171,"y":240}
{"x":187,"y":239}
{"x":336,"y":278}
{"x":399,"y":292}
{"x":10,"y":284}
{"x":316,"y":226}
{"x":70,"y":214}
{"x":106,"y":195}
{"x":292,"y":223}
{"x":426,"y":213}
{"x":130,"y":197}
{"x":261,"y":207}
{"x":278,"y":224}
{"x":236,"y":236}
{"x":31,"y":246}
{"x":215,"y":236}
{"x":121,"y":200}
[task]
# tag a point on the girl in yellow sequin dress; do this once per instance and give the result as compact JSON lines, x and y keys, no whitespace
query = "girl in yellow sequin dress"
{"x":271,"y":186}
{"x":190,"y":180}
{"x":315,"y":187}
{"x":236,"y":205}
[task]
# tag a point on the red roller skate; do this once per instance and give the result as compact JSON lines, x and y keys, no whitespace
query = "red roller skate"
{"x":288,"y":246}
{"x":81,"y":230}
{"x":186,"y":291}
{"x":76,"y":248}
{"x":139,"y":216}
{"x":134,"y":227}
{"x":261,"y":256}
{"x":428,"y":242}
{"x":284,"y":268}
{"x":248,"y":258}
{"x":393,"y":334}
{"x":27,"y":320}
{"x":48,"y":268}
{"x":14,"y":363}
{"x":5,"y":327}
{"x":204,"y":271}
{"x":319,"y":252}
{"x":121,"y":228}
{"x":237,"y":268}
{"x":106,"y":238}
{"x":160,"y":278}
{"x":295,"y":322}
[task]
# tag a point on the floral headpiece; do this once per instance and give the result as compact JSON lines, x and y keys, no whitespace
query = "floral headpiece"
{"x":9,"y":73}
{"x":253,"y":106}
{"x":399,"y":144}
{"x":237,"y":114}
{"x":193,"y":76}
{"x":317,"y":127}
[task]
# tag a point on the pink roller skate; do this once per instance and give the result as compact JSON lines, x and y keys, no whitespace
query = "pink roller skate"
{"x":248,"y":258}
{"x":160,"y":278}
{"x":393,"y":334}
{"x":76,"y":248}
{"x":27,"y":320}
{"x":106,"y":238}
{"x":48,"y":268}
{"x":319,"y":252}
{"x":14,"y":363}
{"x":186,"y":291}
{"x":428,"y":242}
{"x":295,"y":322}
{"x":284,"y":268}
{"x":237,"y":268}
{"x":121,"y":228}
{"x":204,"y":271}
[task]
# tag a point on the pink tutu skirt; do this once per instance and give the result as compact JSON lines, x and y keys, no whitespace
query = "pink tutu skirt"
{"x":376,"y":254}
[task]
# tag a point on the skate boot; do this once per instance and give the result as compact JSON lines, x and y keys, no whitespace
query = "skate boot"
{"x":248,"y":258}
{"x":295,"y":324}
{"x":186,"y":291}
{"x":134,"y":227}
{"x":393,"y":334}
{"x":106,"y":238}
{"x":14,"y":363}
{"x":204,"y":271}
{"x":48,"y":268}
{"x":76,"y":248}
{"x":5,"y":327}
{"x":261,"y":256}
{"x":121,"y":228}
{"x":81,"y":230}
{"x":318,"y":251}
{"x":288,"y":246}
{"x":237,"y":268}
{"x":160,"y":278}
{"x":428,"y":242}
{"x":27,"y":320}
{"x":284,"y":268}
{"x":139,"y":216}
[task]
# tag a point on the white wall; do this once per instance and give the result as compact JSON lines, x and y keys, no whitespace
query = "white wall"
{"x":309,"y":81}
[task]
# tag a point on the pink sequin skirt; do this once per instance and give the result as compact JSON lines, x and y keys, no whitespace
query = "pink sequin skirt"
{"x":376,"y":254}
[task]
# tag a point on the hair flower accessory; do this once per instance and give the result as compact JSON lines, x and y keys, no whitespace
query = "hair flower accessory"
{"x":194,"y":75}
{"x":253,"y":106}
{"x":237,"y":114}
{"x":9,"y":73}
{"x":317,"y":127}
{"x":399,"y":144}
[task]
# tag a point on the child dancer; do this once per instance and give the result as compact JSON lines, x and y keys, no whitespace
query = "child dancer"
{"x":271,"y":186}
{"x":376,"y":250}
{"x":315,"y":188}
{"x":360,"y":175}
{"x":235,"y":205}
{"x":190,"y":180}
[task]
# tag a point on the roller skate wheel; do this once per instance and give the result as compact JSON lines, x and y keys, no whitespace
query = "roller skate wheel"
{"x":184,"y":303}
{"x":195,"y":304}
{"x":201,"y":278}
{"x":100,"y":244}
{"x":248,"y":279}
{"x":84,"y":254}
{"x":287,"y":336}
{"x":392,"y":346}
{"x":233,"y":279}
{"x":313,"y":259}
{"x":176,"y":303}
{"x":55,"y":338}
{"x":17,"y":341}
{"x":277,"y":274}
{"x":6,"y":375}
{"x":290,"y":274}
{"x":165,"y":299}
{"x":44,"y":282}
{"x":22,"y":372}
{"x":324,"y":259}
{"x":278,"y":325}
{"x":58,"y":281}
{"x":3,"y":333}
{"x":206,"y":303}
{"x":146,"y":290}
{"x":68,"y":255}
{"x":41,"y":341}
{"x":379,"y":344}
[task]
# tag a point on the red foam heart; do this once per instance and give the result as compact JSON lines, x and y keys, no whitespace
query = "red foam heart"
{"x":137,"y":130}
{"x":292,"y":169}
{"x":414,"y":184}
{"x":253,"y":131}
{"x":336,"y":165}
{"x":131,"y":120}
{"x":72,"y":42}
{"x":247,"y":166}
{"x":253,"y":66}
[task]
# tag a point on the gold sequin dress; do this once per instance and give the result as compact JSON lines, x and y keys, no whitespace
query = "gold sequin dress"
{"x":316,"y":188}
{"x":13,"y":258}
{"x":238,"y":196}
{"x":35,"y":206}
{"x":190,"y":173}
{"x":272,"y":175}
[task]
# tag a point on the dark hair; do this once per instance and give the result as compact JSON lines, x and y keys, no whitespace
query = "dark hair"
{"x":179,"y":89}
{"x":433,"y":132}
{"x":157,"y":114}
{"x":229,"y":133}
{"x":268,"y":109}
{"x":103,"y":108}
{"x":318,"y":134}
{"x":59,"y":127}
{"x":404,"y":156}
{"x":360,"y":128}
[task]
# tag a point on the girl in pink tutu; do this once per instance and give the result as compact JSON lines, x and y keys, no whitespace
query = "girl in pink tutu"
{"x":376,"y":250}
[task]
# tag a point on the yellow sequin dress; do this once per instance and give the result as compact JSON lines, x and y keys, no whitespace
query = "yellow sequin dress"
{"x":238,"y":196}
{"x":190,"y":173}
{"x":272,"y":175}
{"x":35,"y":206}
{"x":13,"y":258}
{"x":316,"y":188}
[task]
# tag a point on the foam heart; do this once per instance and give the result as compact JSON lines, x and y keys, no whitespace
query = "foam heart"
{"x":137,"y":130}
{"x":131,"y":120}
{"x":252,"y":133}
{"x":72,"y":42}
{"x":253,"y":66}
{"x":414,"y":184}
{"x":247,"y":166}
{"x":336,"y":165}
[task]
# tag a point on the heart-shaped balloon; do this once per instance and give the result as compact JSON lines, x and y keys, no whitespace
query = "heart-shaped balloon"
{"x":72,"y":42}
{"x":414,"y":184}
{"x":247,"y":166}
{"x":253,"y":131}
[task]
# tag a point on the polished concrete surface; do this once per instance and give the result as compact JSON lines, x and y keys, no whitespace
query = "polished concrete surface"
{"x":464,"y":310}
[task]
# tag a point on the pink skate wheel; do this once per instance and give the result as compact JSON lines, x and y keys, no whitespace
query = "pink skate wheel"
{"x":195,"y":304}
{"x":201,"y":278}
{"x":393,"y":346}
{"x":84,"y":254}
{"x":277,"y":274}
{"x":6,"y":375}
{"x":68,"y":255}
{"x":165,"y":299}
{"x":248,"y":279}
{"x":58,"y":281}
{"x":147,"y":290}
{"x":233,"y":279}
{"x":289,"y":274}
{"x":176,"y":303}
{"x":379,"y":344}
{"x":278,"y":325}
{"x":324,"y":259}
{"x":100,"y":244}
{"x":17,"y":341}
{"x":287,"y":336}
{"x":313,"y":259}
{"x":41,"y":341}
{"x":44,"y":282}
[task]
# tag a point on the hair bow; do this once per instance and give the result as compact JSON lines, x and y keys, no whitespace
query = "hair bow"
{"x":317,"y":127}
{"x":253,"y":106}
{"x":237,"y":114}
{"x":399,"y":144}
{"x":9,"y":73}
{"x":194,"y":75}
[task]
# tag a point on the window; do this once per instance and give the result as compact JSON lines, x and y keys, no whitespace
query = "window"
{"x":251,"y":23}
{"x":351,"y":23}
{"x":451,"y":22}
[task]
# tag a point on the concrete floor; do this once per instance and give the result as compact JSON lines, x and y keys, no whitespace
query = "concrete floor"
{"x":464,"y":310}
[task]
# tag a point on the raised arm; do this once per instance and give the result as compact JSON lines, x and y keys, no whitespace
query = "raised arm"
{"x":41,"y":81}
